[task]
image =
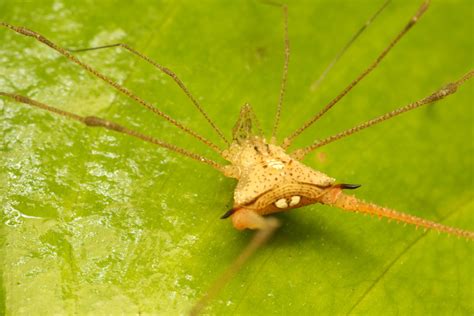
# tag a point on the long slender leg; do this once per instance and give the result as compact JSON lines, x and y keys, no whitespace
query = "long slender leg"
{"x":337,"y":198}
{"x":447,"y":90}
{"x":344,"y":49}
{"x":242,"y":219}
{"x":98,"y":122}
{"x":27,"y":32}
{"x":288,"y":141}
{"x":168,"y":72}
{"x":285,"y":68}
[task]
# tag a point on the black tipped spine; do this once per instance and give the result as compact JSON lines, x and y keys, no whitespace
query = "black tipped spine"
{"x":228,"y":213}
{"x":346,"y":186}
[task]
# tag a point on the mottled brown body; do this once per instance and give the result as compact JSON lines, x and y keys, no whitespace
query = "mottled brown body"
{"x":270,"y":180}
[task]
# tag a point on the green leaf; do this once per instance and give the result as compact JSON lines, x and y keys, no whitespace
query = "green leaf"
{"x":99,"y":223}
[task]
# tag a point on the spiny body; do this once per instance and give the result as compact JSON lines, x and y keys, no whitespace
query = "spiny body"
{"x":270,"y":180}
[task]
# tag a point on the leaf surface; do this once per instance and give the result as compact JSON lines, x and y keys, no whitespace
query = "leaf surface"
{"x":97,"y":223}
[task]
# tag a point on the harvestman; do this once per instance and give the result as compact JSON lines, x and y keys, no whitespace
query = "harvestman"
{"x":270,"y":179}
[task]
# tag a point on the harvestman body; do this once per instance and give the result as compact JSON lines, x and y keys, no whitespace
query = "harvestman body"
{"x":270,"y":179}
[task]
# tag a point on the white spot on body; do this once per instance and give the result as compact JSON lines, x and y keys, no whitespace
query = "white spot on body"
{"x":276,"y":164}
{"x":281,"y":203}
{"x":295,"y":200}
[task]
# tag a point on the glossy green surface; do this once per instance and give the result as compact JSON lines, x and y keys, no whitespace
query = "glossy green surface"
{"x":97,"y":223}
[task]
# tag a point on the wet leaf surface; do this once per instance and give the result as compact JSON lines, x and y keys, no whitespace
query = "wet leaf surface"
{"x":96,"y":223}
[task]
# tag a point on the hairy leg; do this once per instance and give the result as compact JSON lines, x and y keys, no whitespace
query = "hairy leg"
{"x":421,"y":10}
{"x":166,"y":71}
{"x":336,"y":197}
{"x":445,"y":91}
{"x":27,"y":32}
{"x":93,"y":121}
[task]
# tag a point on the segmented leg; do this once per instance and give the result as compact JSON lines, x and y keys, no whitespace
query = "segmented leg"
{"x":447,"y":90}
{"x":336,"y":197}
{"x":285,"y":67}
{"x":288,"y":141}
{"x":94,"y":121}
{"x":27,"y":32}
{"x":241,"y":219}
{"x":166,"y":71}
{"x":344,"y":49}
